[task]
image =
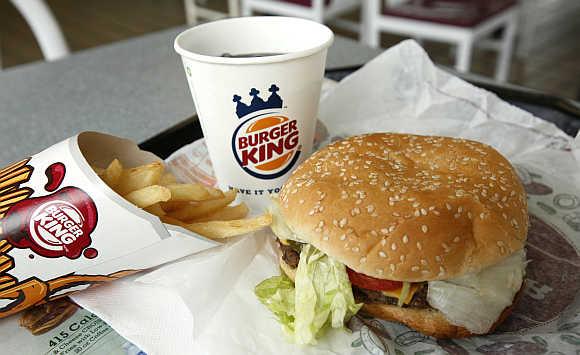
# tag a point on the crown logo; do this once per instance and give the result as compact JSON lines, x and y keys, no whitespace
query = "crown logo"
{"x":274,"y":101}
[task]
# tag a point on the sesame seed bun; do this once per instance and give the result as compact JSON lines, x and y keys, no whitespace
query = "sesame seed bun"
{"x":406,"y":207}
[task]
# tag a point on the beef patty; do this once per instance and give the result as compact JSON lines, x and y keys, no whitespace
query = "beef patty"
{"x":290,"y":254}
{"x":364,"y":295}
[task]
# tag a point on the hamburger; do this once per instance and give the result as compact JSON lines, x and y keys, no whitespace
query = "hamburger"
{"x":422,"y":230}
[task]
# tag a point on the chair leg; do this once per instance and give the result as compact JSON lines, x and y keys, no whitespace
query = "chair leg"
{"x":246,"y":8}
{"x":44,"y":26}
{"x":502,"y":68}
{"x":370,"y":33}
{"x":190,"y":11}
{"x":234,"y":8}
{"x":463,"y":55}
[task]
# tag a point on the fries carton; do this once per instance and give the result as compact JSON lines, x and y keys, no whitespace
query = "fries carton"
{"x":62,"y":229}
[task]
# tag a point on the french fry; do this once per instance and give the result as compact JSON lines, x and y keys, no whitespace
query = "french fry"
{"x":157,"y":192}
{"x":148,"y":196}
{"x":97,"y":170}
{"x":139,"y":177}
{"x":112,"y":174}
{"x":170,"y":206}
{"x":188,"y":192}
{"x":155,"y":209}
{"x":228,"y":229}
{"x":202,"y":208}
{"x":174,"y":221}
{"x":214,"y":193}
{"x":228,"y":213}
{"x":167,"y":178}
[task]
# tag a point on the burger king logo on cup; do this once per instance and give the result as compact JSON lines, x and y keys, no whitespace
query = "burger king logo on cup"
{"x":266,"y":143}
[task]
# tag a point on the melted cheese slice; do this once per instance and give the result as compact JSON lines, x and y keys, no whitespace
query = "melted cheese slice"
{"x":475,"y":301}
{"x":397,"y":293}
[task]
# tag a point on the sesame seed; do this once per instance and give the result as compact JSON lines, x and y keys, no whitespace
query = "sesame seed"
{"x":415,"y":268}
{"x":424,"y":229}
{"x":456,"y":216}
{"x":423,"y":211}
{"x":417,"y":213}
{"x":456,"y":239}
{"x":392,"y":267}
{"x":342,"y":237}
{"x":383,"y":242}
{"x":342,"y":223}
{"x":394,"y":246}
{"x":402,"y":258}
{"x":384,"y":231}
{"x":437,"y":258}
{"x":301,"y":201}
{"x":396,"y":214}
{"x":419,"y":246}
{"x":382,"y":254}
{"x":363,"y":260}
{"x":448,"y":206}
{"x":445,"y":247}
{"x":356,"y":249}
{"x":405,"y":239}
{"x":373,"y":233}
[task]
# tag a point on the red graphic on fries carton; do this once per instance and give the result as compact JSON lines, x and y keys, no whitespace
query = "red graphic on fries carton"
{"x":266,"y":143}
{"x":53,"y":226}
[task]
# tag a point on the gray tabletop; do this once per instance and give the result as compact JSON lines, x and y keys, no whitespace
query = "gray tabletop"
{"x":134,"y":88}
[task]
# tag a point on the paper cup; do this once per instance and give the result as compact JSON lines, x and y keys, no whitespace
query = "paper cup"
{"x":257,"y":105}
{"x":62,"y":229}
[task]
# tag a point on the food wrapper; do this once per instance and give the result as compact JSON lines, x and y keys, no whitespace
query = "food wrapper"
{"x":204,"y":304}
{"x":62,"y":229}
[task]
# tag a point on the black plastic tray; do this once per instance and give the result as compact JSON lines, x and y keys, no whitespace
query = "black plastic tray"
{"x":564,"y":113}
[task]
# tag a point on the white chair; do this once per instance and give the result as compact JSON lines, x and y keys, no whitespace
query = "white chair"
{"x":194,"y":12}
{"x":44,"y":27}
{"x":317,"y":10}
{"x":460,"y":22}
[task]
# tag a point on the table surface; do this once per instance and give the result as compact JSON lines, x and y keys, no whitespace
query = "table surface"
{"x":134,"y":88}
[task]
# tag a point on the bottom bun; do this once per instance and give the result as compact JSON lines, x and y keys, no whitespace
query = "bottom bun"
{"x":428,"y":321}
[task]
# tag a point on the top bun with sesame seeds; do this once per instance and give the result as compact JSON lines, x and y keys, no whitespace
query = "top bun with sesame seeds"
{"x":409,"y":208}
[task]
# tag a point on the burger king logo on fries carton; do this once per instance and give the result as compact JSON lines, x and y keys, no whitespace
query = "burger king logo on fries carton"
{"x":266,"y":142}
{"x":94,"y":208}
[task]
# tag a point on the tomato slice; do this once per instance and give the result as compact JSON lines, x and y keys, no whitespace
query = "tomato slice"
{"x":371,"y":283}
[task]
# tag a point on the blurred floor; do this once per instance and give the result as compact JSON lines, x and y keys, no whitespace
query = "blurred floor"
{"x":88,"y":23}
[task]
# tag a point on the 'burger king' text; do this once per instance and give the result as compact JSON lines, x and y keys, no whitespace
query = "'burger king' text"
{"x":268,"y":143}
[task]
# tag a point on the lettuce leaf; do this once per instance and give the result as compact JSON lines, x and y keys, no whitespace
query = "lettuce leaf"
{"x":277,"y":293}
{"x":320,"y":298}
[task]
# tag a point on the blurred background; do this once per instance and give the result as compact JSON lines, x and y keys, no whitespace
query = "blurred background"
{"x":533,"y":43}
